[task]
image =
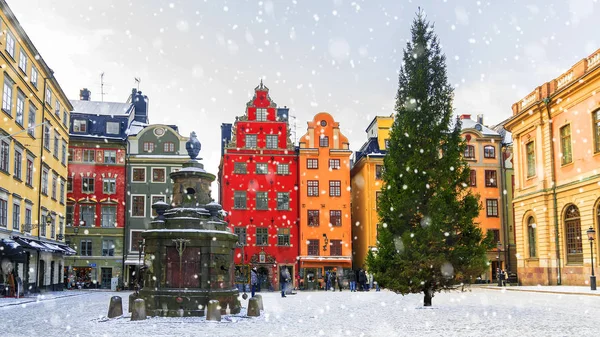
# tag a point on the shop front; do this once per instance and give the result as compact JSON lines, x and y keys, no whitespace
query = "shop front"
{"x":313,"y":271}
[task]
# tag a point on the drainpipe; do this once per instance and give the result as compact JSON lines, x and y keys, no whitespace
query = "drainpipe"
{"x":504,"y":197}
{"x":553,"y":173}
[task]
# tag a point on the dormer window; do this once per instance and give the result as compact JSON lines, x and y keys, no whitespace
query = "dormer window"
{"x":251,"y":141}
{"x":261,"y":114}
{"x":148,"y":147}
{"x":324,"y":141}
{"x":169,"y":147}
{"x":79,"y":125}
{"x":112,"y":128}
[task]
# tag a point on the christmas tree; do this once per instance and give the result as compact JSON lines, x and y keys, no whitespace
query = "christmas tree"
{"x":427,"y":240}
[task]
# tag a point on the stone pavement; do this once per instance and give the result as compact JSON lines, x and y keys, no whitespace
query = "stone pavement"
{"x":29,"y":298}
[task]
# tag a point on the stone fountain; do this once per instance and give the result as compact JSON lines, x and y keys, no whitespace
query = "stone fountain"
{"x":189,"y":248}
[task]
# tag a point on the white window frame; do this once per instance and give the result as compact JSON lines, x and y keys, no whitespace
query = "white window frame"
{"x":110,"y":126}
{"x":152,"y":174}
{"x":138,"y":195}
{"x":18,"y":166}
{"x":31,"y":120}
{"x":49,"y":96}
{"x":282,"y":171}
{"x":145,"y":174}
{"x":23,"y":60}
{"x":114,"y":224}
{"x":20,"y":108}
{"x":110,"y":151}
{"x":34,"y":76}
{"x":269,"y":144}
{"x":10,"y":44}
{"x":44,"y":190}
{"x":63,"y":187}
{"x":77,"y":123}
{"x":261,"y":114}
{"x":109,"y":180}
{"x":255,"y":141}
{"x":7,"y":94}
{"x":5,"y":155}
{"x":57,"y":107}
{"x":131,"y":247}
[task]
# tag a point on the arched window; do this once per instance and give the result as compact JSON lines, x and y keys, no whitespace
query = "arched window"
{"x":531,"y":233}
{"x":573,"y":231}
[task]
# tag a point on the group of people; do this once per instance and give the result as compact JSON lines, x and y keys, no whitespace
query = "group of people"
{"x":284,"y":279}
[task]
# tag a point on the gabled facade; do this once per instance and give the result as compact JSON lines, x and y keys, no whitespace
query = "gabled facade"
{"x":366,"y":173}
{"x":96,"y":186}
{"x":34,"y":137}
{"x":154,"y":151}
{"x":259,"y":191}
{"x":556,"y":132}
{"x":324,"y":191}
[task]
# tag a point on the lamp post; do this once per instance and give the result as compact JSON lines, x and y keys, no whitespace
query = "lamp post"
{"x":591,"y":233}
{"x":137,"y":281}
{"x":499,"y":266}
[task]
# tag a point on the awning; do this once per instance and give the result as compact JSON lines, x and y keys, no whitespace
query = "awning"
{"x":38,"y":245}
{"x":13,"y":251}
{"x":55,"y":248}
{"x":68,"y":250}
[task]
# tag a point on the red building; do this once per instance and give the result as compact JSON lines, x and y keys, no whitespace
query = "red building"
{"x":258,"y":189}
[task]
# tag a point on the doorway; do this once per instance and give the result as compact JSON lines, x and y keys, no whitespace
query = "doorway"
{"x":41,"y":274}
{"x":311,"y":279}
{"x":52,"y":275}
{"x":105,"y":276}
{"x":264,"y":279}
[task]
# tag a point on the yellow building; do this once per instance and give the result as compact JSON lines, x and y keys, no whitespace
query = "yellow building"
{"x":366,"y":183}
{"x":556,"y":133}
{"x":34,"y":138}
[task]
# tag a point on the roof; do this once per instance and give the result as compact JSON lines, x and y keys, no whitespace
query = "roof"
{"x":371,"y":147}
{"x":468,"y":123}
{"x":135,"y":128}
{"x":102,"y":108}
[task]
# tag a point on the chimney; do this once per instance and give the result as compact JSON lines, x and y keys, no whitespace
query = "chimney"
{"x":84,"y":94}
{"x":480,"y":119}
{"x":465,"y":116}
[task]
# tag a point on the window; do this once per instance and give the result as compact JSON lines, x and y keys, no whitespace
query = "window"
{"x":64,"y":118}
{"x":87,"y":214}
{"x":283,"y":236}
{"x":335,"y":218}
{"x":45,"y":181}
{"x":28,"y":219}
{"x":313,"y":188}
{"x":379,"y":171}
{"x":3,"y":213}
{"x":16,"y":216}
{"x":69,"y":214}
{"x":148,"y":147}
{"x":565,"y":145}
{"x":262,"y":236}
{"x":312,"y":163}
{"x":239,"y":200}
{"x":136,"y":237}
{"x":283,"y":201}
{"x":250,"y":141}
{"x":158,"y":175}
{"x":283,"y":169}
{"x":169,"y":147}
{"x":109,"y":216}
{"x":262,"y":200}
{"x":387,"y":143}
{"x":489,"y":151}
{"x":71,"y":155}
{"x":79,"y":125}
{"x":240,"y":168}
{"x":495,"y":234}
{"x":86,"y":248}
{"x":241,"y":233}
{"x":49,"y":96}
{"x":138,"y":174}
{"x":57,"y":107}
{"x":10,"y":44}
{"x":54,"y":183}
{"x":573,"y":229}
{"x":34,"y":76}
{"x":109,"y":185}
{"x":23,"y":61}
{"x":335,"y":188}
{"x":313,"y":218}
{"x":20,"y":107}
{"x":56,"y":144}
{"x":531,"y":236}
{"x":473,"y":178}
{"x":7,"y":94}
{"x":470,"y":152}
{"x":62,"y":191}
{"x":334,"y":164}
{"x":29,"y":172}
{"x":261,"y":114}
{"x":113,"y":128}
{"x":272,"y":141}
{"x":108,"y":248}
{"x":18,"y":163}
{"x":87,"y":184}
{"x":262,"y":168}
{"x":63,"y":158}
{"x":47,"y":135}
{"x":313,"y":247}
{"x":31,"y":121}
{"x":490,"y":178}
{"x":155,"y":199}
{"x":138,"y":205}
{"x":530,"y":149}
{"x":596,"y":131}
{"x":70,"y":184}
{"x":53,"y":228}
{"x":324,"y":141}
{"x":336,"y":248}
{"x":110,"y":156}
{"x":4,"y":156}
{"x":89,"y":156}
{"x":491,"y":206}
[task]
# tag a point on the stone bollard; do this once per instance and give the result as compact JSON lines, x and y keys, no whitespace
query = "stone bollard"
{"x":115,"y":309}
{"x":253,"y":309}
{"x":138,"y":312}
{"x":260,"y":302}
{"x":213,"y":311}
{"x":132,"y":298}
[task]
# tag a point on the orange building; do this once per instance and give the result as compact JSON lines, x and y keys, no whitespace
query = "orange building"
{"x":325,"y":223}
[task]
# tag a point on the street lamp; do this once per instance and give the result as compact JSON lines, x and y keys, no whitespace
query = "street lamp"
{"x":591,"y":233}
{"x":499,"y":266}
{"x":137,"y":282}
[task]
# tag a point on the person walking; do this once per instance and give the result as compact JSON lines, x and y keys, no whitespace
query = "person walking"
{"x":327,"y":280}
{"x":340,"y":280}
{"x":333,"y":276}
{"x":253,"y":280}
{"x":284,"y":279}
{"x":352,"y":280}
{"x":361,"y":279}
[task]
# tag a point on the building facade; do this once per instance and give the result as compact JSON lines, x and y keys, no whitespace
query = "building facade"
{"x":366,"y":174}
{"x":154,"y":151}
{"x":33,"y":162}
{"x":259,"y":191}
{"x":324,"y":192}
{"x":556,"y":133}
{"x":96,"y":189}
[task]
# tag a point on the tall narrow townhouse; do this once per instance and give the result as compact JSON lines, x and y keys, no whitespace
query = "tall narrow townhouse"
{"x":34,"y":138}
{"x":325,"y":209}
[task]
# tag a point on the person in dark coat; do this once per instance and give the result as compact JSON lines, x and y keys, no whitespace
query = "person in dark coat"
{"x":333,"y":276}
{"x":362,"y":280}
{"x":352,"y":279}
{"x":254,"y":280}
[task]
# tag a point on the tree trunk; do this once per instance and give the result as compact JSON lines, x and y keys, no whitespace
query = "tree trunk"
{"x":428,"y":297}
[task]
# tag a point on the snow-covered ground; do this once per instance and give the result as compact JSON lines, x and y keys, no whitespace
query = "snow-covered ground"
{"x":476,"y":313}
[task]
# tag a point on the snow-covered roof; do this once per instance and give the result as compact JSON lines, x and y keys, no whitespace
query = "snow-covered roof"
{"x":135,"y":127}
{"x":102,"y":108}
{"x":468,"y":123}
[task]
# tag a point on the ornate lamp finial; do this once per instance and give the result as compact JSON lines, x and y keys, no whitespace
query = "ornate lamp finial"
{"x":193,"y":146}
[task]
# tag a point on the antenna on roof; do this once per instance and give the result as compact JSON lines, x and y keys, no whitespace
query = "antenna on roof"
{"x":102,"y":86}
{"x":137,"y":80}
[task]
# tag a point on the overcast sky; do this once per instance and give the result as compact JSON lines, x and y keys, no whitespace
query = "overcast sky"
{"x":199,"y":60}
